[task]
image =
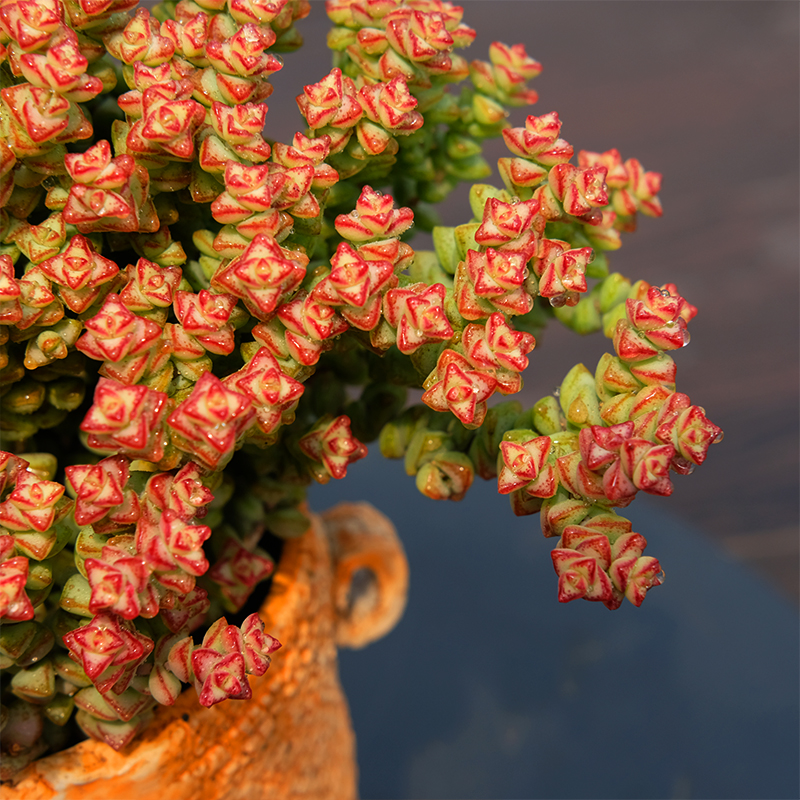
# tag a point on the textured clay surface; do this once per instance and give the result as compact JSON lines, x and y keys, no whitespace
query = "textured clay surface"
{"x":294,"y":738}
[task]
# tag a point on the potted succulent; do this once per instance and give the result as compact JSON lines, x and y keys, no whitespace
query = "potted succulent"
{"x":197,"y":322}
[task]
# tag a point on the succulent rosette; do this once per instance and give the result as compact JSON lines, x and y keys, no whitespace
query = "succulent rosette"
{"x":196,"y":321}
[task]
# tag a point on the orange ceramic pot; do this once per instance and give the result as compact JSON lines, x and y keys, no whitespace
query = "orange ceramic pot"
{"x":342,"y":583}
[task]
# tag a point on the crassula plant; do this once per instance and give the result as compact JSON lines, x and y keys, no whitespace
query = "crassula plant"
{"x":197,"y":321}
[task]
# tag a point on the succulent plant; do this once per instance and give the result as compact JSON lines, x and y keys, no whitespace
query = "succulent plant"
{"x":196,"y":322}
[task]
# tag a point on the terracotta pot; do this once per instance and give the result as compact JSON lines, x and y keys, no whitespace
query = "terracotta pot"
{"x":342,"y":583}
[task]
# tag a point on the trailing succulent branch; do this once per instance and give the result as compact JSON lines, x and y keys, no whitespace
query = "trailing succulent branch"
{"x":196,"y":322}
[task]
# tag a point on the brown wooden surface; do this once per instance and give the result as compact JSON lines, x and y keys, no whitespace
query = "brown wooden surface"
{"x":707,"y":94}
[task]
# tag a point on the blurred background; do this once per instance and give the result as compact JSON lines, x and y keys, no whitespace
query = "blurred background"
{"x":695,"y":694}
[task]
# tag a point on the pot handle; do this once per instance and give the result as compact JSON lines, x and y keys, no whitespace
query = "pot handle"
{"x":370,"y":573}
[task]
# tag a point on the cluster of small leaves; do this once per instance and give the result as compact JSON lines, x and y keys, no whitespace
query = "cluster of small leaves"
{"x":98,"y":580}
{"x":195,"y":323}
{"x":412,"y":45}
